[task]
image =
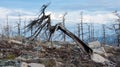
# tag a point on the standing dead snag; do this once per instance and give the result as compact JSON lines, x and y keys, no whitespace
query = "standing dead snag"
{"x":117,"y":27}
{"x":18,"y":26}
{"x":64,"y":36}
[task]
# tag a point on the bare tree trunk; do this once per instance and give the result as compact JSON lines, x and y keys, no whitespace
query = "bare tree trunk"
{"x":64,"y":36}
{"x":82,"y":26}
{"x":104,"y":35}
{"x":78,"y":30}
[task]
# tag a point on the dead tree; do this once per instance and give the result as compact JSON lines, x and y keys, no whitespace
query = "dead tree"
{"x":82,"y":26}
{"x":6,"y":29}
{"x":79,"y":30}
{"x":117,"y":27}
{"x":80,"y":43}
{"x":89,"y":32}
{"x":31,"y":30}
{"x":24,"y":28}
{"x":104,"y":35}
{"x":92,"y":32}
{"x":64,"y":36}
{"x":18,"y":26}
{"x":39,"y":23}
{"x":43,"y":22}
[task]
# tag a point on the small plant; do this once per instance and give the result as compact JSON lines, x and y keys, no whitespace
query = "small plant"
{"x":10,"y":56}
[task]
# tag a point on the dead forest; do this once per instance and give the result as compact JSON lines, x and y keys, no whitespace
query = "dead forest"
{"x":41,"y":42}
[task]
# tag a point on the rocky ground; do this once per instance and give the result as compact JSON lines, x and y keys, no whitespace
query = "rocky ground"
{"x":56,"y":55}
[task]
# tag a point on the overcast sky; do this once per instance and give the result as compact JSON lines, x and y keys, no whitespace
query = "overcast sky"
{"x":98,"y":11}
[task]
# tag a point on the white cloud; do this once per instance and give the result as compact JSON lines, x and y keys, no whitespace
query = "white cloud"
{"x":13,"y":15}
{"x":88,"y":16}
{"x":4,"y":12}
{"x":71,"y":17}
